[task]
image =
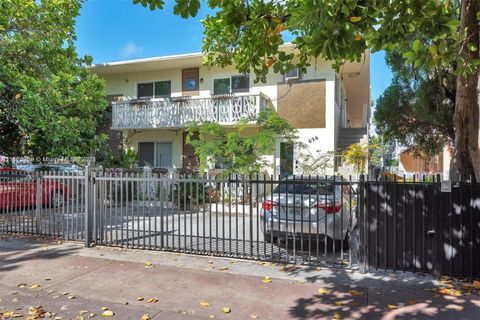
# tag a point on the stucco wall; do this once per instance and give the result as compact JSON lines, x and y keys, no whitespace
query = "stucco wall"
{"x":322,"y":138}
{"x":126,"y":83}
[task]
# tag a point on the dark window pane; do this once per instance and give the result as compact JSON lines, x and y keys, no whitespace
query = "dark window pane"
{"x":294,"y":73}
{"x":305,"y":187}
{"x":240,"y":84}
{"x":146,"y":152}
{"x":191,"y":85}
{"x":221,"y":86}
{"x":164,"y":154}
{"x":145,"y":90}
{"x":163,"y":89}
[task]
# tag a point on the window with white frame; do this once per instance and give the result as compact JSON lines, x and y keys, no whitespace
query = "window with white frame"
{"x":233,"y":84}
{"x":293,"y":74}
{"x":157,"y":89}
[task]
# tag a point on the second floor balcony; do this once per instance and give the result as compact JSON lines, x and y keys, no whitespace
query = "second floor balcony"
{"x":177,"y":112}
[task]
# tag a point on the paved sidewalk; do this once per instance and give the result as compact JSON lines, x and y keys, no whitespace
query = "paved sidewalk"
{"x":74,"y":282}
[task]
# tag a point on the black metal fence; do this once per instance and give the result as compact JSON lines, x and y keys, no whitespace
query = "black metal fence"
{"x":255,"y":217}
{"x":421,"y":226}
{"x":427,"y":226}
{"x":296,"y":219}
{"x":43,"y":203}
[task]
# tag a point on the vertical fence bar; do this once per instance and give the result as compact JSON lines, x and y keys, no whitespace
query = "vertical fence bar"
{"x":162,"y":203}
{"x":38,"y":203}
{"x":250,"y":192}
{"x":88,"y":231}
{"x":395,"y":222}
{"x":363,"y":245}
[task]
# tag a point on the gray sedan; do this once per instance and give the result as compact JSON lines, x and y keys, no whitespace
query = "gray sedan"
{"x":300,"y":206}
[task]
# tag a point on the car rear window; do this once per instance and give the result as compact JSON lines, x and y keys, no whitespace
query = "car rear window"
{"x":305,"y":188}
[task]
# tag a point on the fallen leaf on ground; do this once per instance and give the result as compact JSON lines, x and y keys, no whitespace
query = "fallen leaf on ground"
{"x":21,"y":285}
{"x":355,"y":292}
{"x":204,"y":304}
{"x":146,"y":316}
{"x":10,"y":314}
{"x":104,"y":308}
{"x":35,"y":286}
{"x":339,"y":303}
{"x":152,"y":300}
{"x":267,"y":280}
{"x":455,"y":307}
{"x":36,"y":312}
{"x":337,"y":316}
{"x":223,"y":268}
{"x":71,"y":297}
{"x":140,"y":298}
{"x":226,"y":310}
{"x":148,"y":265}
{"x":82,"y":312}
{"x":301,"y":281}
{"x":450,"y":292}
{"x":107,"y":313}
{"x":322,"y":291}
{"x":476,"y":284}
{"x":253,"y":316}
{"x":392,"y":306}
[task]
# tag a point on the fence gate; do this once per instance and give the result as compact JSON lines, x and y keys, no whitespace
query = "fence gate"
{"x":420,"y":226}
{"x":47,"y":204}
{"x":263,"y":218}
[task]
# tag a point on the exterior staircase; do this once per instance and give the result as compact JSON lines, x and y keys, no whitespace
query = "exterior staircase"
{"x":347,"y":137}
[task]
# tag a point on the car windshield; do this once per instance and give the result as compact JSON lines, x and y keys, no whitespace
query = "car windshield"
{"x":304,"y":187}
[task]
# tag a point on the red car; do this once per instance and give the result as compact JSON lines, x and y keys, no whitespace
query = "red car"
{"x":18,"y":189}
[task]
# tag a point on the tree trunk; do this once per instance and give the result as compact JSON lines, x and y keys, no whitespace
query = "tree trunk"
{"x":466,"y":155}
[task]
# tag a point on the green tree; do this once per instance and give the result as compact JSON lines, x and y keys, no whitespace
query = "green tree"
{"x":358,"y":154}
{"x":50,"y":103}
{"x":428,"y":33}
{"x":244,"y":152}
{"x":417,"y":108}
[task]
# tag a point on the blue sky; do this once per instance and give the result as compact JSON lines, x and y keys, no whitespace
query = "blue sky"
{"x":112,"y":30}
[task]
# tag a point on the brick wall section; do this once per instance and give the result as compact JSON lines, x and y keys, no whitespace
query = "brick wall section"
{"x":190,"y":159}
{"x":302,"y":103}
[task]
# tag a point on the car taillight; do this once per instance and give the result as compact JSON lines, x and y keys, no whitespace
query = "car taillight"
{"x":330,"y":208}
{"x":268,"y":205}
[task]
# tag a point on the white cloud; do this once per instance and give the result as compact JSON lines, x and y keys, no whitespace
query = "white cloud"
{"x":130,"y":49}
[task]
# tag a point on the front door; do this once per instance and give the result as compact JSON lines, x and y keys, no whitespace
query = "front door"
{"x":190,"y":79}
{"x":286,"y":158}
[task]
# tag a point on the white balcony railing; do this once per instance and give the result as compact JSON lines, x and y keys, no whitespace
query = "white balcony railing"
{"x":178,"y":112}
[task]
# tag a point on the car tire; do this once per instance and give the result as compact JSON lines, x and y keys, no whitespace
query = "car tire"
{"x":270,"y":239}
{"x":56,"y":199}
{"x":345,"y":242}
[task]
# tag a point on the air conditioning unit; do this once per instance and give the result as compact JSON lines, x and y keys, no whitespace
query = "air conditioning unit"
{"x":293,"y":74}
